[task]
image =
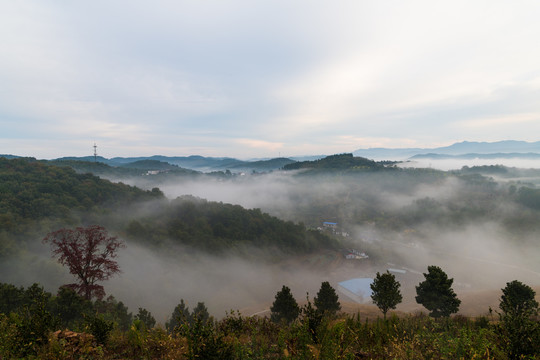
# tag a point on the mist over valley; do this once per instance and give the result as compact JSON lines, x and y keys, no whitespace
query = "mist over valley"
{"x":192,"y":235}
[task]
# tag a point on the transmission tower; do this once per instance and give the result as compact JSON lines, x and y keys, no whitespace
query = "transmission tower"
{"x":95,"y":152}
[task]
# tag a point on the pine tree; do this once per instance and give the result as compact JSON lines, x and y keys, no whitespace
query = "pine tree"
{"x":518,"y":300}
{"x":180,"y":316}
{"x":386,"y":294}
{"x":145,"y":317}
{"x":436,"y":294}
{"x":285,"y":308}
{"x":200,"y":313}
{"x":326,"y":300}
{"x":518,"y":326}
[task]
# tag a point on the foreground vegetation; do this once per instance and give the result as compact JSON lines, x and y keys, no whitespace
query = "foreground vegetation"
{"x":33,"y":324}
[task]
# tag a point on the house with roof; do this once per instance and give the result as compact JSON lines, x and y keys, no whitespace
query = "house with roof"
{"x":330,"y":225}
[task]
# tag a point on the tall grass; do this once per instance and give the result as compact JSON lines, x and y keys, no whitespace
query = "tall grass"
{"x":238,"y":337}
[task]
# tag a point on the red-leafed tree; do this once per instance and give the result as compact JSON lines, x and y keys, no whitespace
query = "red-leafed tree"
{"x":89,"y":254}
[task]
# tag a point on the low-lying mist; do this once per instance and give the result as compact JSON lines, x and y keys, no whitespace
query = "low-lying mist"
{"x":456,"y":164}
{"x":475,"y":230}
{"x":158,"y":279}
{"x":462,"y":227}
{"x":157,"y":282}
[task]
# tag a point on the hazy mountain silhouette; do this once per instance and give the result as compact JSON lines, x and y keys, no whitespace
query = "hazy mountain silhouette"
{"x":194,"y":162}
{"x":507,"y":148}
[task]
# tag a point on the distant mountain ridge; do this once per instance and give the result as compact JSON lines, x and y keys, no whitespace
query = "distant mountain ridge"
{"x":504,"y":148}
{"x":463,"y":150}
{"x":193,"y":162}
{"x":478,"y":156}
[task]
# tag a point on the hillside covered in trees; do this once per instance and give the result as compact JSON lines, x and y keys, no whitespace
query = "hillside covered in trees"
{"x":217,"y":227}
{"x":338,"y":162}
{"x":37,"y":197}
{"x":32,"y":191}
{"x":128,"y":170}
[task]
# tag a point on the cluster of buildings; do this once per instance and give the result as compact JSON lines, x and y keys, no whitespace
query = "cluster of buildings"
{"x":353,"y":254}
{"x":333,"y":228}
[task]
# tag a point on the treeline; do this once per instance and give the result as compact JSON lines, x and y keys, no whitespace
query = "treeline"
{"x":66,"y":309}
{"x":35,"y":324}
{"x":216,"y":227}
{"x":393,"y":200}
{"x":354,"y":185}
{"x":29,"y":316}
{"x":337,"y":162}
{"x":31,"y":190}
{"x":124,"y":171}
{"x":36,"y":198}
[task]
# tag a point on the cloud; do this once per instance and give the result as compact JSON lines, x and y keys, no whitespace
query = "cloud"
{"x":315,"y":71}
{"x":508,"y":120}
{"x":349,"y":141}
{"x":266,"y":145}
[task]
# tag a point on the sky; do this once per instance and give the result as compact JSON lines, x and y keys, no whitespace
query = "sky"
{"x":256,"y":79}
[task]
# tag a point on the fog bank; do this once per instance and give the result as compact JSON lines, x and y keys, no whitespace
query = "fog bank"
{"x":456,"y":164}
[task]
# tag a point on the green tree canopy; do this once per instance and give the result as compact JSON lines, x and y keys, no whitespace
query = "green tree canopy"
{"x":435,"y":293}
{"x":337,"y":162}
{"x":518,"y":300}
{"x":146,"y":318}
{"x":180,"y":316}
{"x":518,"y":327}
{"x":386,"y":294}
{"x":114,"y":311}
{"x":285,"y":308}
{"x":200,"y":313}
{"x":326,"y":300}
{"x":71,"y":308}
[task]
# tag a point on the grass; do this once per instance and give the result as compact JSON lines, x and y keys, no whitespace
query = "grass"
{"x":238,"y":337}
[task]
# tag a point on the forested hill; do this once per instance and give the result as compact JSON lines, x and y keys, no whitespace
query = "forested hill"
{"x":337,"y":162}
{"x":123,"y":171}
{"x":216,"y":227}
{"x":36,"y":198}
{"x":32,"y":191}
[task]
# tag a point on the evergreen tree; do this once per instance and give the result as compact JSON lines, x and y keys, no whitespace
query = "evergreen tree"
{"x":518,"y":300}
{"x":518,"y":327}
{"x":326,"y":300}
{"x":200,"y":312}
{"x":11,"y":298}
{"x":115,"y":311}
{"x":146,"y":318}
{"x":285,"y":308}
{"x":70,"y":308}
{"x":313,"y":318}
{"x":436,"y":293}
{"x":179,"y":317}
{"x":386,"y":294}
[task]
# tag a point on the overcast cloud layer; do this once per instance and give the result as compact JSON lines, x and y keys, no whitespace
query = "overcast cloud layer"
{"x":264,"y":78}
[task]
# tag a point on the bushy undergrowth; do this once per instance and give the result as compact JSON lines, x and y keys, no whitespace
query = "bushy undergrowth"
{"x":37,"y":325}
{"x":239,"y":337}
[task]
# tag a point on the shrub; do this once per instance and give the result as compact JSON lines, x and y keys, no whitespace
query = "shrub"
{"x":100,"y":328}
